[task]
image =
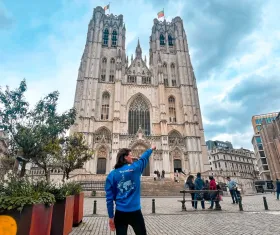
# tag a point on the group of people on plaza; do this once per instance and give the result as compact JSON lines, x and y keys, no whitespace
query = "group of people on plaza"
{"x":159,"y":176}
{"x":207,"y":187}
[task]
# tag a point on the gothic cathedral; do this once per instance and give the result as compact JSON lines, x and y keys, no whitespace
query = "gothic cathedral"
{"x":132,"y":104}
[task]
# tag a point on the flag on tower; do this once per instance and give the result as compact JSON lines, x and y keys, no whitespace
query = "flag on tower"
{"x":106,"y":7}
{"x":160,"y":14}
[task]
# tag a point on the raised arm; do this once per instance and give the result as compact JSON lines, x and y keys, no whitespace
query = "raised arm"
{"x":144,"y":159}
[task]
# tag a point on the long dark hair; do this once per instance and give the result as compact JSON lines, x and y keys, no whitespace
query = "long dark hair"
{"x":120,"y":157}
{"x":190,"y":178}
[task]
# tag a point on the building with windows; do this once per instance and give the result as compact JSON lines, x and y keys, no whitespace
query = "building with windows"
{"x":261,"y":157}
{"x":132,"y":103}
{"x":218,"y":144}
{"x":270,"y":136}
{"x":239,"y":164}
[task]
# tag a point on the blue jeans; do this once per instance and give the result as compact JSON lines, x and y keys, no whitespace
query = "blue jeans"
{"x":233,"y":195}
{"x":196,"y":196}
{"x":278,"y":193}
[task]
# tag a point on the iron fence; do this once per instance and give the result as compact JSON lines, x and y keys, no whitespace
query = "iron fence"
{"x":92,"y":185}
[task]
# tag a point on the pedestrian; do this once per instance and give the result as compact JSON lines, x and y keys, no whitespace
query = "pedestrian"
{"x":198,"y":184}
{"x":163,"y":173}
{"x":158,"y":174}
{"x":206,"y":195}
{"x":213,"y":195}
{"x":123,"y":187}
{"x":232,"y":189}
{"x":155,"y":176}
{"x":277,"y":188}
{"x":190,"y":186}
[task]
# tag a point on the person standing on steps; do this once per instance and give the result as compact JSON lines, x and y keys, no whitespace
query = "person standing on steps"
{"x":123,"y":187}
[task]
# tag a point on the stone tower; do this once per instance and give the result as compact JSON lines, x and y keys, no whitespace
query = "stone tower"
{"x":122,"y":104}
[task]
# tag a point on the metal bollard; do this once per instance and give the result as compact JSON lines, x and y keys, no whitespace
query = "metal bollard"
{"x":240,"y":204}
{"x":94,"y":207}
{"x":153,"y":206}
{"x":265,"y":203}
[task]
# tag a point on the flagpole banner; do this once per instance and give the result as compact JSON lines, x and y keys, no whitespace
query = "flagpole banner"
{"x":160,"y":14}
{"x":107,"y":7}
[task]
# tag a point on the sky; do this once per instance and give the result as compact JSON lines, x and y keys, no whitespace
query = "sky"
{"x":234,"y":48}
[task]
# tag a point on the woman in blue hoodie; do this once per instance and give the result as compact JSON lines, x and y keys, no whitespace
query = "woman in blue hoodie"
{"x":123,"y":186}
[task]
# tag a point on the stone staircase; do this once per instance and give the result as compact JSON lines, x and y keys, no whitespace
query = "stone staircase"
{"x":164,"y":187}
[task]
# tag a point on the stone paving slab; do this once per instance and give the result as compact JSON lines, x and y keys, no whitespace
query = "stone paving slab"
{"x":245,"y":223}
{"x":170,"y":220}
{"x":171,"y":206}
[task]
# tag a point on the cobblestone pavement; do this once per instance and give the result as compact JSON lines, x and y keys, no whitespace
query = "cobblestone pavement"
{"x":170,"y":220}
{"x":171,"y":206}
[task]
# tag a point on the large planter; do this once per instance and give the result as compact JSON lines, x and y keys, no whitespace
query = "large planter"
{"x":32,"y":220}
{"x":62,"y":219}
{"x":78,"y":209}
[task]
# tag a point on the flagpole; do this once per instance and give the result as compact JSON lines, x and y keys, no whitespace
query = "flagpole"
{"x":109,"y":8}
{"x":163,"y":14}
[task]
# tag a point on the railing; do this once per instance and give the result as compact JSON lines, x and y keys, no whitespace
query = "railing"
{"x":92,"y":185}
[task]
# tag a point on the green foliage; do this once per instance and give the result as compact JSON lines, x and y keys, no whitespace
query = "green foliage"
{"x":74,"y":153}
{"x":73,"y":188}
{"x":34,"y":133}
{"x":18,"y":193}
{"x":60,"y":192}
{"x":93,"y":193}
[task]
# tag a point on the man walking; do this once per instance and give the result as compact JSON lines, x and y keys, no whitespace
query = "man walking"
{"x":277,"y":188}
{"x":123,"y":187}
{"x":232,"y":189}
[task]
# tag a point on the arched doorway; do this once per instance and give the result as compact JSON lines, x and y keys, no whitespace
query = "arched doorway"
{"x":101,"y":166}
{"x":137,"y":151}
{"x":101,"y":161}
{"x":177,"y":165}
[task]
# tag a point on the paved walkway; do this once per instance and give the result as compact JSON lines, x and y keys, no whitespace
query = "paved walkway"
{"x":170,"y":220}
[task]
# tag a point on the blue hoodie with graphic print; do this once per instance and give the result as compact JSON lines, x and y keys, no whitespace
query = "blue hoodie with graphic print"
{"x":123,"y":186}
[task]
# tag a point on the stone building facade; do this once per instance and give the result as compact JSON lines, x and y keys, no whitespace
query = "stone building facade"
{"x":133,"y":104}
{"x":239,"y":164}
{"x":270,"y":135}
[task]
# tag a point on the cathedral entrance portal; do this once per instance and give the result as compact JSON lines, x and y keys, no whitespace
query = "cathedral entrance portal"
{"x":101,"y":166}
{"x":137,"y":151}
{"x":177,"y":165}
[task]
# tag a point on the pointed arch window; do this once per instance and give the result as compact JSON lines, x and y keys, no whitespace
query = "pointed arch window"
{"x":172,"y":109}
{"x":139,"y":116}
{"x":105,"y":106}
{"x":112,"y":70}
{"x":105,"y":37}
{"x":165,"y":77}
{"x":173,"y":75}
{"x":162,"y":40}
{"x":170,"y":40}
{"x":103,"y":69}
{"x":114,"y":38}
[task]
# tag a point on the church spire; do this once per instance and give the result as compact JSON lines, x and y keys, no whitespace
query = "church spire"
{"x":138,"y":51}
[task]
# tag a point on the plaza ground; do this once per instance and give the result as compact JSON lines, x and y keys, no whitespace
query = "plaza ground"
{"x":169,"y":219}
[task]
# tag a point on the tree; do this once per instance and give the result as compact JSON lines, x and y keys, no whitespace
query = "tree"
{"x":75,"y":152}
{"x":14,"y":120}
{"x":49,"y":127}
{"x":34,"y":134}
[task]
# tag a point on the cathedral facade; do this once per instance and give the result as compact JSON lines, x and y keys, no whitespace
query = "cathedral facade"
{"x":124,"y":103}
